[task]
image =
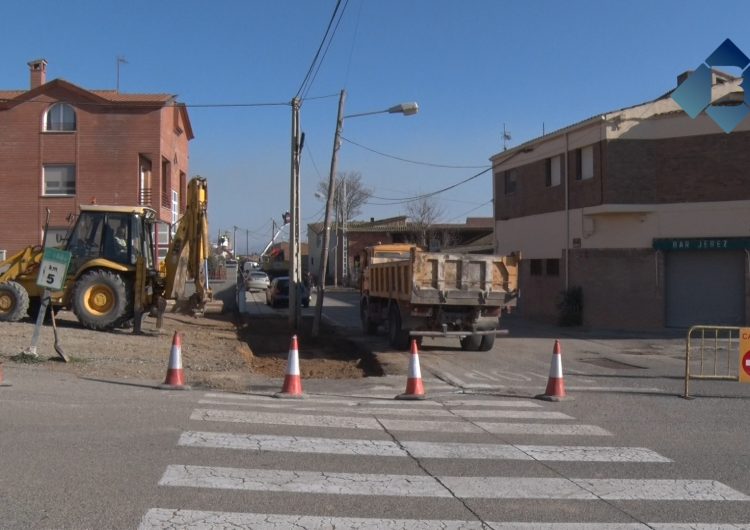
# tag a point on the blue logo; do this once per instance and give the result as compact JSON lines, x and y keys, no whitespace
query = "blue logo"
{"x":694,"y":94}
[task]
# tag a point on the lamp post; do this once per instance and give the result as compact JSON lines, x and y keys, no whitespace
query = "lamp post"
{"x":407,"y":109}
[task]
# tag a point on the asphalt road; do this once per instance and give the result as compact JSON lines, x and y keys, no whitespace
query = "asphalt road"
{"x":626,"y":451}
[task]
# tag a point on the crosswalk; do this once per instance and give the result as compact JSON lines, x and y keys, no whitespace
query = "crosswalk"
{"x":407,"y":456}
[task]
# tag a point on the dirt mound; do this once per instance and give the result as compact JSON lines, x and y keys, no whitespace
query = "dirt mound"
{"x":221,"y":351}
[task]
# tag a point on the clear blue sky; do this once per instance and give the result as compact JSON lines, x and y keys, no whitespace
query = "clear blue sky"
{"x":472,"y":65}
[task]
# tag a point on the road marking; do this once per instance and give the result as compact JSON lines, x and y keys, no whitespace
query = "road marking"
{"x":461,"y":487}
{"x":302,"y":481}
{"x":329,"y":401}
{"x":491,"y":403}
{"x":463,"y":413}
{"x":164,"y":519}
{"x":513,"y":414}
{"x":349,"y":410}
{"x":305,"y":444}
{"x":544,"y":428}
{"x":573,"y":453}
{"x":274,"y":418}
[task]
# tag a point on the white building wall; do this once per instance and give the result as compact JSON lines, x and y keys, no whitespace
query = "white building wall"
{"x":620,"y":226}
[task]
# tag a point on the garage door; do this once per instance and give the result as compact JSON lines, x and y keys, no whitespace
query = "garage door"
{"x":705,"y":287}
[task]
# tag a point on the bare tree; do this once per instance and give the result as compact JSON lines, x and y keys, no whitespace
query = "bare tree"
{"x":423,"y":213}
{"x":349,"y":193}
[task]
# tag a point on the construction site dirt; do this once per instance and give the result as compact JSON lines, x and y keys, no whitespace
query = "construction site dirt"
{"x":222,"y":351}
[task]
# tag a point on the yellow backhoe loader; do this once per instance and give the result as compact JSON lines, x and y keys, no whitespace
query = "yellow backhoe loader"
{"x":113,"y":277}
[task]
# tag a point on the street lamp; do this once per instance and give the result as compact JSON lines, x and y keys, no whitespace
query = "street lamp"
{"x":407,"y":109}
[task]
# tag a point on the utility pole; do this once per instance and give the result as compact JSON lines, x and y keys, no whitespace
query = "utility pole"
{"x":327,"y":220}
{"x":294,"y":230}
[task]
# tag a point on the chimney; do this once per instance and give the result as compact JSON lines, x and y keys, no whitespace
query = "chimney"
{"x":38,"y":71}
{"x":683,"y":76}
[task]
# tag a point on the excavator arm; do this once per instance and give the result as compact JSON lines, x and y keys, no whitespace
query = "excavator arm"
{"x":189,"y":249}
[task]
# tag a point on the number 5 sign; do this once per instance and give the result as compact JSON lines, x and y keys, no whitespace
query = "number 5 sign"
{"x":744,"y":355}
{"x":53,"y":270}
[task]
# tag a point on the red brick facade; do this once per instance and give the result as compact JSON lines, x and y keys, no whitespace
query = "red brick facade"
{"x":115,"y":138}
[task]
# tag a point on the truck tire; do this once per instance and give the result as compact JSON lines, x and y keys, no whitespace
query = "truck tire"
{"x":368,"y":326}
{"x":471,"y":342}
{"x":100,"y":300}
{"x":488,"y":341}
{"x":14,"y":302}
{"x":398,"y":338}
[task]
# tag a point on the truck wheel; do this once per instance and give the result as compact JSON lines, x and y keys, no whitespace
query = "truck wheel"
{"x":471,"y":342}
{"x":368,"y":326}
{"x":14,"y":302}
{"x":398,"y":338}
{"x":488,"y":341}
{"x":100,"y":300}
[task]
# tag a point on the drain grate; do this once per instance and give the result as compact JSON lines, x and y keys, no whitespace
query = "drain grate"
{"x":609,"y":363}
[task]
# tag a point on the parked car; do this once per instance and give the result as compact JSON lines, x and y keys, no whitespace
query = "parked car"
{"x":277,"y":294}
{"x":256,"y":281}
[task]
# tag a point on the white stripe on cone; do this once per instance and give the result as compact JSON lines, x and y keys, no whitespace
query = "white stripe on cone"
{"x":556,"y":384}
{"x":175,"y":376}
{"x":292,"y":386}
{"x":414,"y":387}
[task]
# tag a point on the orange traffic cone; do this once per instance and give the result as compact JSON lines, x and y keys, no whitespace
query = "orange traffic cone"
{"x":175,"y":378}
{"x":2,"y":380}
{"x":555,"y":385}
{"x":414,"y":387}
{"x":292,"y":387}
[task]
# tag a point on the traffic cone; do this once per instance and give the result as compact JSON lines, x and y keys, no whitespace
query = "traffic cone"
{"x":292,"y":387}
{"x":175,"y":378}
{"x":555,"y":385}
{"x":2,"y":380}
{"x":414,"y":387}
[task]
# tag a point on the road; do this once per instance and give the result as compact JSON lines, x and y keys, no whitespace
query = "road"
{"x":625,"y":452}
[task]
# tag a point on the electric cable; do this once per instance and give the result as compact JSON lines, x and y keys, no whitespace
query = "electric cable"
{"x":430,"y":164}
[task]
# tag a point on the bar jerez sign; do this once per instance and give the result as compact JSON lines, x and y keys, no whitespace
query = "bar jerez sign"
{"x":702,"y":243}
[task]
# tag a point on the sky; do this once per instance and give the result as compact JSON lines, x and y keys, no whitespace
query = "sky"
{"x":475,"y":67}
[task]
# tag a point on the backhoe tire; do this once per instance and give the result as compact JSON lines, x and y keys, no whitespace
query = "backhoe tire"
{"x":100,"y":300}
{"x":398,"y":338}
{"x":14,"y":302}
{"x":471,"y":342}
{"x":488,"y":341}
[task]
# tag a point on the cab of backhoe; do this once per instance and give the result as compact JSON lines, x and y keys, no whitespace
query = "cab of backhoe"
{"x":118,"y":235}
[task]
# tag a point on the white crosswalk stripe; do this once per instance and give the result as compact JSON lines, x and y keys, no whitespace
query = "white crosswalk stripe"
{"x":194,"y":520}
{"x":462,"y":487}
{"x":414,"y":420}
{"x":303,"y":444}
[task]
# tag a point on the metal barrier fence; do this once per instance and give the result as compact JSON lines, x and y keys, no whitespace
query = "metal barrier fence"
{"x":711,"y":352}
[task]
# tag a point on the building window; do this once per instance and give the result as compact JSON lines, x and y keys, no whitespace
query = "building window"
{"x":552,"y":267}
{"x":510,"y":177}
{"x":554,"y":171}
{"x":535,"y":267}
{"x":59,"y":179}
{"x":175,"y":206}
{"x":166,"y":183}
{"x":60,"y":117}
{"x":183,"y":191}
{"x":585,"y":163}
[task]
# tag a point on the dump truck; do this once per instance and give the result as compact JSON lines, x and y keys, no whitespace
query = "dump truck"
{"x":114,"y":277}
{"x":414,"y":293}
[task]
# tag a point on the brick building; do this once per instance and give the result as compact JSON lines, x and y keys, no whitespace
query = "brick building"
{"x":643,"y":208}
{"x":62,"y":145}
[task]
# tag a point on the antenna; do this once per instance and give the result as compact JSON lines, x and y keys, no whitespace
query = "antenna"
{"x":506,"y":138}
{"x":120,"y":59}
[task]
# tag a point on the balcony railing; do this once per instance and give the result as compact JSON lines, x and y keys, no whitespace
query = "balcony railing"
{"x":144,"y":196}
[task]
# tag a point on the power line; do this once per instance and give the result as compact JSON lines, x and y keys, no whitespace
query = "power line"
{"x":328,"y":45}
{"x":402,"y":200}
{"x":410,"y":161}
{"x":472,"y":210}
{"x":310,"y":70}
